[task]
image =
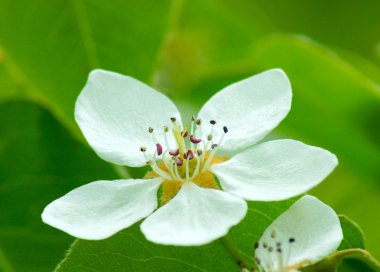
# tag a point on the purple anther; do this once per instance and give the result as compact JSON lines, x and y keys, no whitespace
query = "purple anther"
{"x":184,"y":133}
{"x":174,"y":152}
{"x":159,"y":149}
{"x":195,"y":140}
{"x":179,"y":162}
{"x":189,"y":155}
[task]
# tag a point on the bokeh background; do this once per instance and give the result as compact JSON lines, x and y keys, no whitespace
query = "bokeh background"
{"x":188,"y":50}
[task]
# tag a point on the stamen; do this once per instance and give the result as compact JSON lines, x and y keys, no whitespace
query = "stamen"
{"x":199,"y":152}
{"x":194,"y":140}
{"x":143,"y":148}
{"x":150,"y":129}
{"x":159,"y":171}
{"x":159,"y":149}
{"x":212,"y":122}
{"x":174,"y":153}
{"x":273,"y":234}
{"x":179,"y":162}
{"x":225,"y":129}
{"x":176,"y":170}
{"x":196,"y":171}
{"x":184,"y":133}
{"x":192,"y":131}
{"x":198,"y":122}
{"x":209,"y":137}
{"x":173,"y":119}
{"x":213,"y":146}
{"x":189,"y":155}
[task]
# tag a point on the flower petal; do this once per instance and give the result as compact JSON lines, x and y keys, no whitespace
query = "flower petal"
{"x":100,"y":209}
{"x":275,"y":170}
{"x":195,"y":216}
{"x":115,"y":112}
{"x":249,"y":108}
{"x":313,"y":225}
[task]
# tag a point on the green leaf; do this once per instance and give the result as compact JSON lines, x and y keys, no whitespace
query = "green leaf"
{"x":39,"y":162}
{"x":129,"y":249}
{"x":353,"y":235}
{"x":53,"y":47}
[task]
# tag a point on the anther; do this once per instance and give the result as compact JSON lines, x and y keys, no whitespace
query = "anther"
{"x":184,"y":133}
{"x":174,"y":152}
{"x":279,"y":250}
{"x":292,"y":240}
{"x":150,"y":129}
{"x":225,"y":129}
{"x":212,"y":122}
{"x":159,"y":149}
{"x":258,"y":261}
{"x":166,"y":129}
{"x":198,"y":122}
{"x":209,"y":137}
{"x":214,"y":146}
{"x":179,"y":162}
{"x":265,"y":245}
{"x":257,"y":244}
{"x":173,"y":119}
{"x":193,"y":118}
{"x":199,"y":152}
{"x":189,"y":154}
{"x":273,"y":234}
{"x":270,"y":249}
{"x":143,"y":148}
{"x":195,"y":140}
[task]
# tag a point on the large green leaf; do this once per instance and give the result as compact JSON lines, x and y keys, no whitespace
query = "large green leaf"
{"x":130,"y":251}
{"x":39,"y":162}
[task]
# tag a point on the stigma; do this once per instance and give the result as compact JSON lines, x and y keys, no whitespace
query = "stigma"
{"x":192,"y":153}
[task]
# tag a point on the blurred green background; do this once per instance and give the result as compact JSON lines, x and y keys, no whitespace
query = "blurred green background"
{"x":188,"y":50}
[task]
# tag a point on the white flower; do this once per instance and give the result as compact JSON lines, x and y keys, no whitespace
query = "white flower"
{"x":304,"y":234}
{"x":128,"y":123}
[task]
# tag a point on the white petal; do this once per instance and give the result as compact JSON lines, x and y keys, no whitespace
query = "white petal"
{"x":249,"y":108}
{"x":100,"y":209}
{"x":114,"y":113}
{"x":195,"y":216}
{"x":275,"y":170}
{"x":315,"y":228}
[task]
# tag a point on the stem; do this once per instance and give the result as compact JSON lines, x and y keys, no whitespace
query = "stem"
{"x":240,"y":259}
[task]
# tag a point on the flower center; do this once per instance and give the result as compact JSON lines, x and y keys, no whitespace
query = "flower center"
{"x":278,"y":255}
{"x":189,"y":159}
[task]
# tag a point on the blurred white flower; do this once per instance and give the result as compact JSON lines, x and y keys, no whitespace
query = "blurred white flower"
{"x":128,"y":123}
{"x":304,"y":234}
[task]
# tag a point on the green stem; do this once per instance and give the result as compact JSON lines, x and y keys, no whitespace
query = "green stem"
{"x":240,"y":259}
